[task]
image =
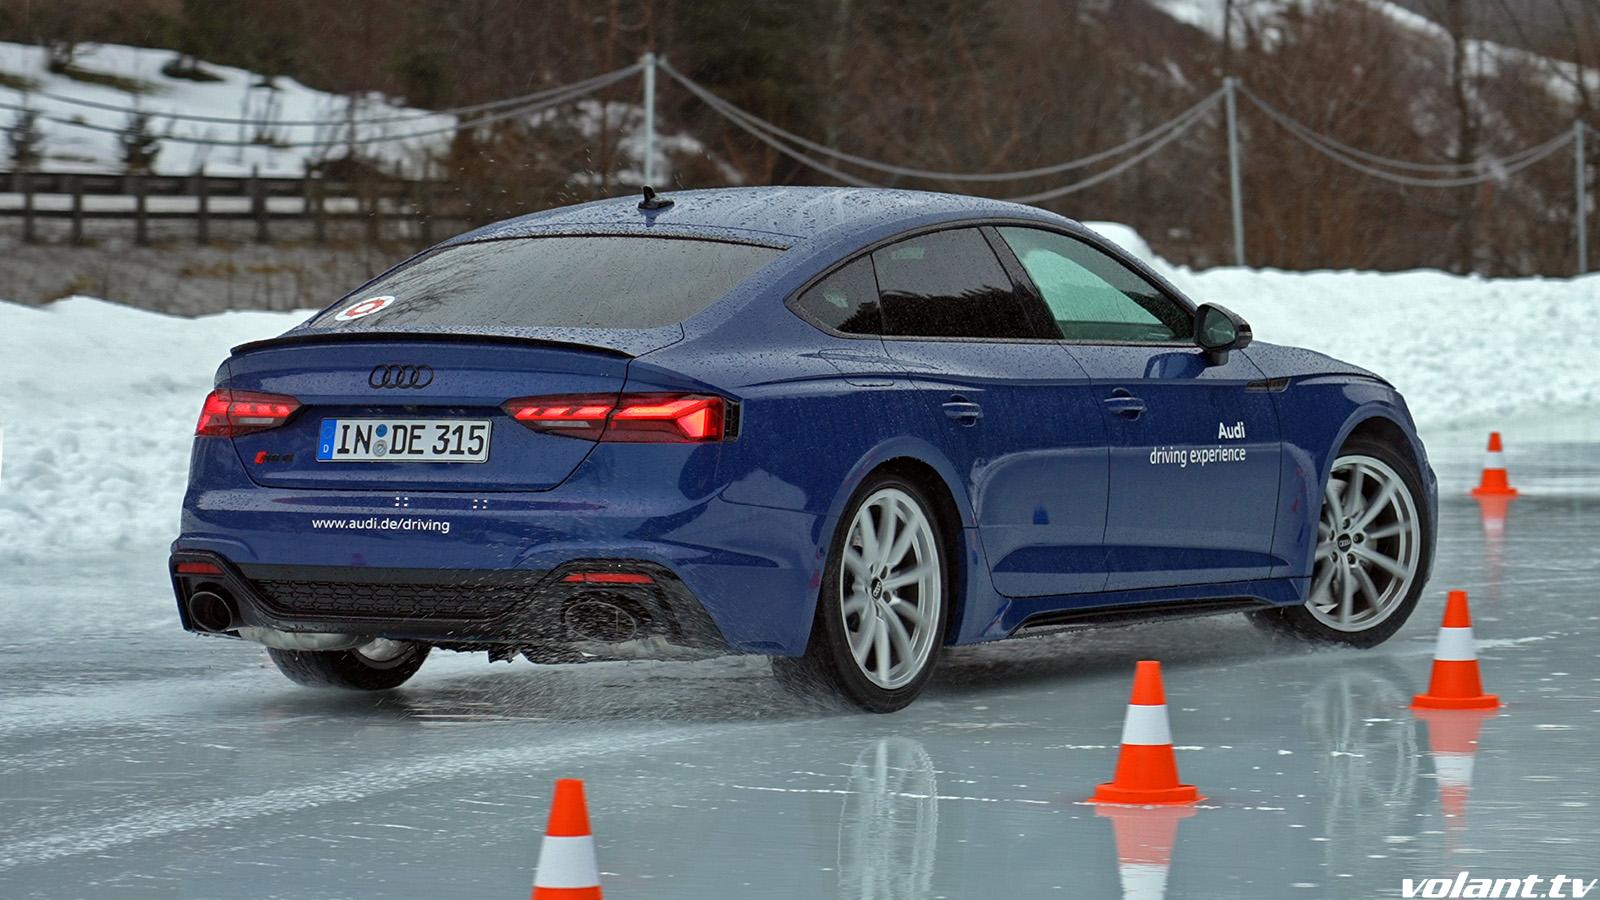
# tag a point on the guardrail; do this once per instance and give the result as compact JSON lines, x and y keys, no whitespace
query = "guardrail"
{"x":377,"y":203}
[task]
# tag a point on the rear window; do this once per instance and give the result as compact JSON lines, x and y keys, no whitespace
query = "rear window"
{"x":562,"y":282}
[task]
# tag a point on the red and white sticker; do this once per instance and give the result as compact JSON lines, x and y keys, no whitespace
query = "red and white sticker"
{"x":363,"y":308}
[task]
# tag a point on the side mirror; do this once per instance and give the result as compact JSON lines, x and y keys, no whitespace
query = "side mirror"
{"x":1218,"y":330}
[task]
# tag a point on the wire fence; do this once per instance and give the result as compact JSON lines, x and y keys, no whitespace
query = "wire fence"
{"x":861,"y":171}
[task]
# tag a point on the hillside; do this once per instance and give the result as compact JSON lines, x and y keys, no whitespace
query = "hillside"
{"x":276,"y":126}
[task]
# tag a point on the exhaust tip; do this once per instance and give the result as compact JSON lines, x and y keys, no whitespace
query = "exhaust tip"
{"x":600,"y":620}
{"x":211,"y":611}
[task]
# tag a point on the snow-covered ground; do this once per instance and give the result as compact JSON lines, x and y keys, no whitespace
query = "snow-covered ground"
{"x":1485,"y":58}
{"x":98,"y":401}
{"x":235,"y":95}
{"x":409,"y":135}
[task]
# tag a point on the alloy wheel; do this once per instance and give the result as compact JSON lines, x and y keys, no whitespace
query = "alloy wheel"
{"x":890,"y":588}
{"x":1369,"y":545}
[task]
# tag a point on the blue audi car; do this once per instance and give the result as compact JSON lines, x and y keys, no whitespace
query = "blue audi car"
{"x":843,"y":428}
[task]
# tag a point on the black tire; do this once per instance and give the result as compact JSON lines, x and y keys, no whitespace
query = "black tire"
{"x":1298,"y":621}
{"x":348,"y":669}
{"x":828,"y":663}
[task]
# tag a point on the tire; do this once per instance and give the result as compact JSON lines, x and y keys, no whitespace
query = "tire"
{"x":896,"y":609}
{"x":389,"y":665}
{"x":1382,"y":596}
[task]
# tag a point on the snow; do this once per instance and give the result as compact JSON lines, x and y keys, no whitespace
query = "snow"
{"x":98,"y":406}
{"x":1486,"y":58}
{"x":1464,"y":350}
{"x":233,"y":96}
{"x":99,"y":400}
{"x":417,"y":134}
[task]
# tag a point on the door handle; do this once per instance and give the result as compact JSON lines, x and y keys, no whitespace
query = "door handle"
{"x":963,"y":410}
{"x":1125,"y":404}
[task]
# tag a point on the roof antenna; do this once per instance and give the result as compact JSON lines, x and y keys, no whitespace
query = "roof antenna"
{"x":651,"y":202}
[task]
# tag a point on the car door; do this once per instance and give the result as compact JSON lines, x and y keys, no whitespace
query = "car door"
{"x":1194,"y":446}
{"x":1005,"y":404}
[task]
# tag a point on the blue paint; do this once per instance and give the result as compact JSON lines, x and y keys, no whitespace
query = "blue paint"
{"x":1060,"y":505}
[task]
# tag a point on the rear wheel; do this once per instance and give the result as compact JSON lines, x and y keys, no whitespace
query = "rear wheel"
{"x":1372,"y":550}
{"x":376,"y":666}
{"x":884,"y":603}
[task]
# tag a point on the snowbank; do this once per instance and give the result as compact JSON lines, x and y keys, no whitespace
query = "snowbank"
{"x":1463,"y":350}
{"x":98,"y":401}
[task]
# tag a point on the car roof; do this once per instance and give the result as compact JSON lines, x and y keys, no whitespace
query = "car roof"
{"x":777,"y":216}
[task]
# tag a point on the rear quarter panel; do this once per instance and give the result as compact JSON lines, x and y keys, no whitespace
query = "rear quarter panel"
{"x":817,"y":414}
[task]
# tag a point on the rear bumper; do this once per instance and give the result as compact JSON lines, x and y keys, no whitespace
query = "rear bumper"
{"x":752,"y":570}
{"x":458,"y":608}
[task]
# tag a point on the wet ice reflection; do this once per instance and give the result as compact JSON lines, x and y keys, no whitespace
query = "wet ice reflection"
{"x":1145,"y":836}
{"x":1357,"y":720}
{"x":889,"y":827}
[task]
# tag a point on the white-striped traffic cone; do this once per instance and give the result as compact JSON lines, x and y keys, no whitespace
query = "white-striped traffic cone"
{"x":1493,"y":482}
{"x":1147,"y":770}
{"x":567,"y":869}
{"x":1455,"y":683}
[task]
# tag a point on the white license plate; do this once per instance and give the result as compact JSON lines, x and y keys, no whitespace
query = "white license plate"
{"x":404,"y":440}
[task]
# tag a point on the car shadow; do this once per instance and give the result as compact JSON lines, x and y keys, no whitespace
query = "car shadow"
{"x":1110,"y":652}
{"x":728,"y":689}
{"x":742,"y":689}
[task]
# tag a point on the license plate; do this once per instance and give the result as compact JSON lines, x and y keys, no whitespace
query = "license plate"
{"x":404,"y":440}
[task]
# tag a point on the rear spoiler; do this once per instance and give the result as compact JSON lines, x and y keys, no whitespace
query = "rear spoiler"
{"x":303,"y":339}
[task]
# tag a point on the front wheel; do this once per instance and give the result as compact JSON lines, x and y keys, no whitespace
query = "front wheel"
{"x":1373,"y":550}
{"x":376,"y":666}
{"x":884,"y":601}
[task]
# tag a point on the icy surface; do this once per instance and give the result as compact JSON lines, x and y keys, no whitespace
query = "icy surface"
{"x":136,"y":761}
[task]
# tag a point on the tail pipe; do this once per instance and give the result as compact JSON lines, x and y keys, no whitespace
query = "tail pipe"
{"x":212,"y":610}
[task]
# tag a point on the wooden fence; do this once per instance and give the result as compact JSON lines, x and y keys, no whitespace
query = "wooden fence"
{"x":378,"y":204}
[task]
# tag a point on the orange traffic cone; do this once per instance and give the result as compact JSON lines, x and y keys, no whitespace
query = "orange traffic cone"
{"x":1453,"y":741}
{"x":1455,"y":683}
{"x":1494,"y":483}
{"x":1147,"y":770}
{"x":567,"y":869}
{"x":1145,"y":837}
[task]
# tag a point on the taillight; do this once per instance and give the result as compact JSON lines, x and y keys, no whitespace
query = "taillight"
{"x":229,"y":413}
{"x":641,"y":418}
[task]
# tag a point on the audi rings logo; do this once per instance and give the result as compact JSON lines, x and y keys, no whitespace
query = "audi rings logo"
{"x":392,"y":376}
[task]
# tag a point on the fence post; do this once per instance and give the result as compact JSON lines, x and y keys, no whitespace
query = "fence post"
{"x":374,"y":210}
{"x":77,"y":209}
{"x":425,"y":210}
{"x":202,"y":196}
{"x":649,"y":62}
{"x":1230,"y":85}
{"x":26,"y":179}
{"x":258,"y":205}
{"x":319,"y":225}
{"x":1580,"y":189}
{"x":141,"y":220}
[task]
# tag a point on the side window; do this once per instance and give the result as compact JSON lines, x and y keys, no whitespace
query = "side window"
{"x":948,"y":284}
{"x":1092,"y":296}
{"x":845,"y":301}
